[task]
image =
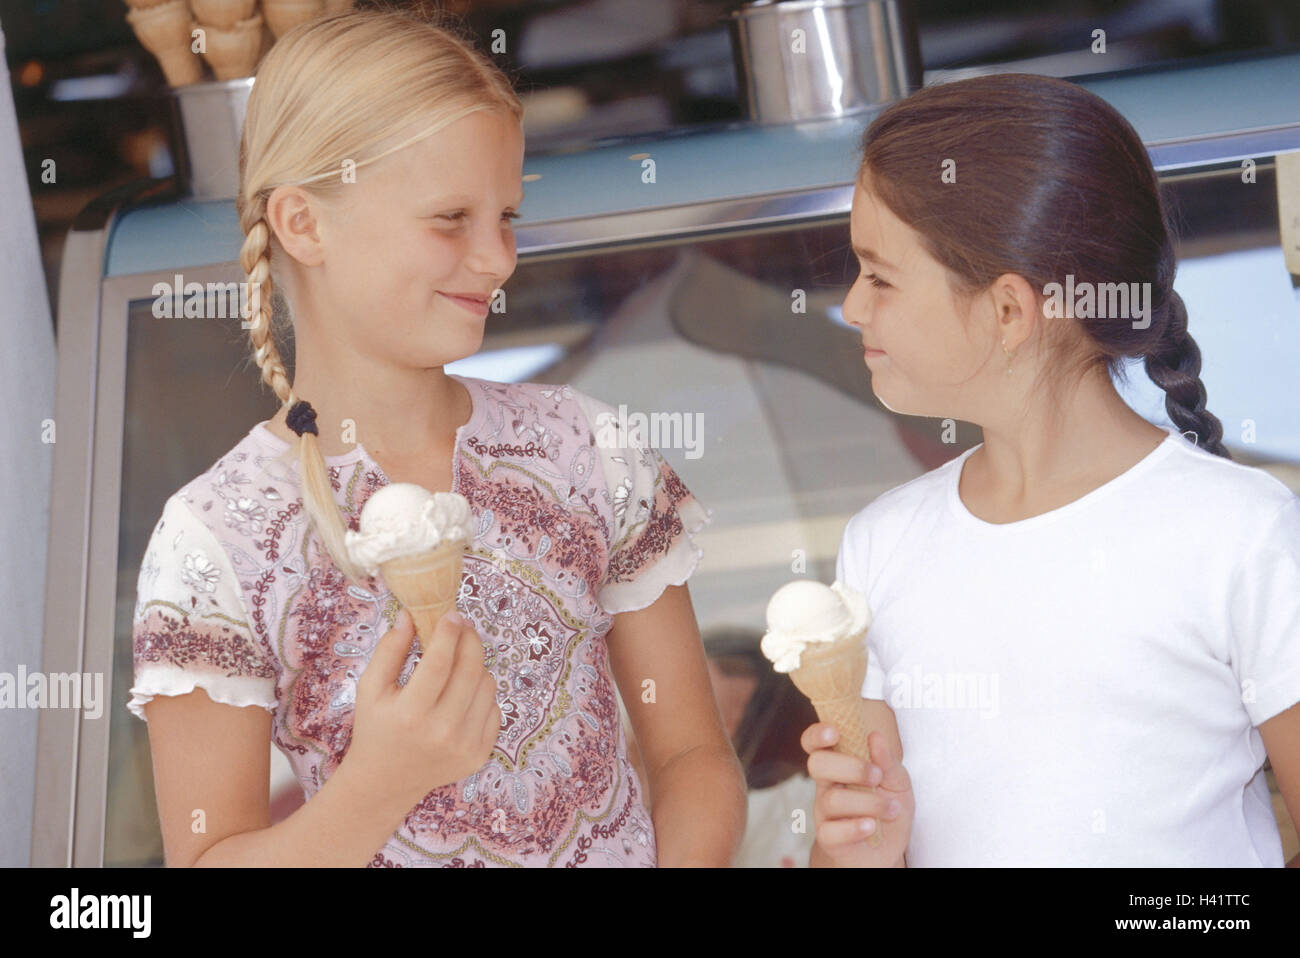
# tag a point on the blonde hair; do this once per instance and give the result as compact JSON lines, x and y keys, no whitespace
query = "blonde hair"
{"x":334,"y":89}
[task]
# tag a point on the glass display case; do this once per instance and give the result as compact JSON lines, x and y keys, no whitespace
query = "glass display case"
{"x":695,"y":278}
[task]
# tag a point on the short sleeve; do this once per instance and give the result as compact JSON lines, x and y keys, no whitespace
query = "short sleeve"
{"x":189,"y":629}
{"x":851,"y":570}
{"x":1264,"y":609}
{"x":655,"y":516}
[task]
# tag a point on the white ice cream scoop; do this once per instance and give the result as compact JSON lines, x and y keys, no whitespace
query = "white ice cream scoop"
{"x":805,"y":612}
{"x":403,"y":518}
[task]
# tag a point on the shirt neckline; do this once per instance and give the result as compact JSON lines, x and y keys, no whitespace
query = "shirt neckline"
{"x":965,"y":516}
{"x":358,"y":452}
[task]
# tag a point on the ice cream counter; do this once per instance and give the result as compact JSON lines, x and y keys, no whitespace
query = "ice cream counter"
{"x":655,"y":273}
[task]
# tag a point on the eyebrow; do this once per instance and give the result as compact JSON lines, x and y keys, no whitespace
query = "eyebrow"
{"x":461,"y":198}
{"x":867,"y":254}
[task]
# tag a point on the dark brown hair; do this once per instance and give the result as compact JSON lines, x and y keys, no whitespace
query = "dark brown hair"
{"x":1050,"y":180}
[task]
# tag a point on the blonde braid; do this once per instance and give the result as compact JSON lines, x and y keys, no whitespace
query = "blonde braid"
{"x":318,"y":493}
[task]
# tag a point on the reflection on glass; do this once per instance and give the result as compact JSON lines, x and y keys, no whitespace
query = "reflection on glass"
{"x":764,"y":403}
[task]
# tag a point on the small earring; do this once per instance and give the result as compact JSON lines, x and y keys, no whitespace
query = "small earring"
{"x":1009,"y":355}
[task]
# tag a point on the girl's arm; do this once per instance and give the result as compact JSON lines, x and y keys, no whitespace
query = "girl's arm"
{"x":1281,"y":735}
{"x":696,"y":785}
{"x":212,"y":769}
{"x":212,"y":761}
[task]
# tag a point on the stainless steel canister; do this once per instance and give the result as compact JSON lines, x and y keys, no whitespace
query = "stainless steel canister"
{"x":814,"y":59}
{"x":209,"y":119}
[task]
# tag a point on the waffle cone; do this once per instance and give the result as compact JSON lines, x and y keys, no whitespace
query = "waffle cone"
{"x":164,"y":30}
{"x":222,"y":13}
{"x":233,"y":52}
{"x":283,"y":15}
{"x":831,"y":676}
{"x":427,"y":584}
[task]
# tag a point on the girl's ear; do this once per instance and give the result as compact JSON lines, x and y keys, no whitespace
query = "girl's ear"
{"x":291,"y":213}
{"x":1017,"y":308}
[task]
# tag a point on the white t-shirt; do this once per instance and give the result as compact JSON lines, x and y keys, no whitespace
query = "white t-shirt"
{"x":1081,"y":687}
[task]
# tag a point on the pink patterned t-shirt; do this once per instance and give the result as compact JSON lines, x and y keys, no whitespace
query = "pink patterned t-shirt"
{"x":237,"y":597}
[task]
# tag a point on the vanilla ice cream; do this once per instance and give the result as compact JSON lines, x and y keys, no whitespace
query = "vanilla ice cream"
{"x":806,"y":612}
{"x":404,"y":518}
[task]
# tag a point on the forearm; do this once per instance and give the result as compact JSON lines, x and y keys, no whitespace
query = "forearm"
{"x":343,"y":825}
{"x":699,"y":807}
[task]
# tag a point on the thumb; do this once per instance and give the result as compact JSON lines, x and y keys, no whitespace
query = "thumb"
{"x":390,"y":654}
{"x":895,"y":777}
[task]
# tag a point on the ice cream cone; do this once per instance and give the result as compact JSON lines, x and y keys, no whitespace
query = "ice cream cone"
{"x":337,"y":6}
{"x":222,"y":13}
{"x":284,"y":15}
{"x":164,"y":30}
{"x":427,"y":584}
{"x":831,"y":676}
{"x":233,"y":52}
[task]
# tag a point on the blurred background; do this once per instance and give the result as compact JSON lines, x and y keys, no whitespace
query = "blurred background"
{"x":91,"y":98}
{"x":691,"y":286}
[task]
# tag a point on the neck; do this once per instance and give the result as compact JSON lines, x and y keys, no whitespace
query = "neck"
{"x":1094,"y":434}
{"x":398,"y":413}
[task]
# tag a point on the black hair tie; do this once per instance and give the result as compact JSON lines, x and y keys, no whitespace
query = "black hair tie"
{"x":302,"y":418}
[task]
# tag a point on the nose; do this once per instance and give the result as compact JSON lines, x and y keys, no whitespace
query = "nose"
{"x":852,"y":308}
{"x":492,"y":251}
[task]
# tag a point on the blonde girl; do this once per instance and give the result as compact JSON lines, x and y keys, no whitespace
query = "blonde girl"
{"x":380,"y":167}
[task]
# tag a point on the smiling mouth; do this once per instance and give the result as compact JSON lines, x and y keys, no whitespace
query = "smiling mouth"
{"x":477,"y":304}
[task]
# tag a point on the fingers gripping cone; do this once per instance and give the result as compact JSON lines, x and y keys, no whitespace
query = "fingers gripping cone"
{"x":802,"y":617}
{"x":283,"y":15}
{"x":426,"y":584}
{"x":164,"y":30}
{"x":831,"y":678}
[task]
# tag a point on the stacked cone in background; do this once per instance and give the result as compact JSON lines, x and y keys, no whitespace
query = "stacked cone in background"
{"x":236,"y":33}
{"x":283,"y":15}
{"x":222,"y":13}
{"x":234,"y":51}
{"x":164,"y":29}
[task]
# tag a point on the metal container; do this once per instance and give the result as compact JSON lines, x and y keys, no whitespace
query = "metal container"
{"x":815,"y":59}
{"x":209,"y":121}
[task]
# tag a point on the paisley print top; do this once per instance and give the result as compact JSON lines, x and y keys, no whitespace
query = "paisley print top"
{"x":237,"y":596}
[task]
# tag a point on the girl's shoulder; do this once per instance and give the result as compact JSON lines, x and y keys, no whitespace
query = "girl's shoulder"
{"x":1222,"y":490}
{"x":248,"y":488}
